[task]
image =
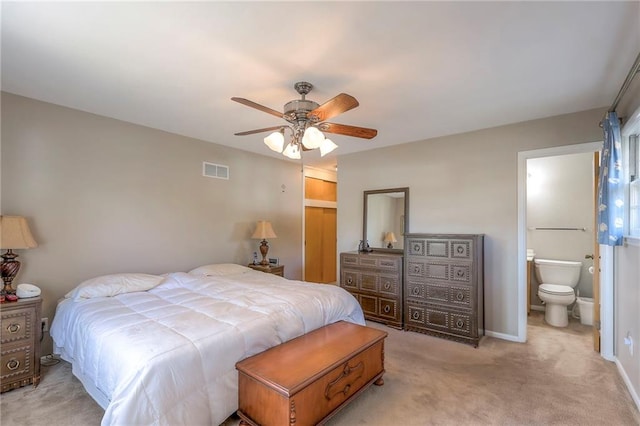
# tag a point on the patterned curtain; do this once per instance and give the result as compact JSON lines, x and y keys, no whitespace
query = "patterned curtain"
{"x":611,"y":185}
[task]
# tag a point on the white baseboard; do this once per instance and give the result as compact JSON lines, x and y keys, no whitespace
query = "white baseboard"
{"x":627,"y":381}
{"x":509,"y":337}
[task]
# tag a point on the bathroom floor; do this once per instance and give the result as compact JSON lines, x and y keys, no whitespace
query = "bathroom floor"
{"x":536,"y":319}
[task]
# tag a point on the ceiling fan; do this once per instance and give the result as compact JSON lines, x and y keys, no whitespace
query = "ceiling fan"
{"x":306,"y":122}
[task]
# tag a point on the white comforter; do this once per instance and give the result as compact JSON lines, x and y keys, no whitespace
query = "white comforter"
{"x":167,"y":356}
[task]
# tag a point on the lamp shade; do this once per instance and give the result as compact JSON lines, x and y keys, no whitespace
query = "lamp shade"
{"x":275,"y":141}
{"x":292,"y":151}
{"x":326,"y":147}
{"x":263,"y":231}
{"x":390,"y":237}
{"x":312,"y":138}
{"x":15,"y":233}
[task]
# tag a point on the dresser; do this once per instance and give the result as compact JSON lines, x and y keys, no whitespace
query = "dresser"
{"x":375,"y":280}
{"x":20,"y":343}
{"x":444,"y":286}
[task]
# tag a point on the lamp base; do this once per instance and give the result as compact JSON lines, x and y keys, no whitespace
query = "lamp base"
{"x":264,"y":249}
{"x":9,"y":268}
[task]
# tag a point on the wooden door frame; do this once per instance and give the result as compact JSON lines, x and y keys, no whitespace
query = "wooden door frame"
{"x":606,"y":277}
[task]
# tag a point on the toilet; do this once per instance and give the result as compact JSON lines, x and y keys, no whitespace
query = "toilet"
{"x":557,"y":280}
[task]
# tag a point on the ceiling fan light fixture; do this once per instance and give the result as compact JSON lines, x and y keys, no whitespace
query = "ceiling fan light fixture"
{"x":292,"y":151}
{"x":326,"y":147}
{"x":312,"y":138}
{"x":275,"y":141}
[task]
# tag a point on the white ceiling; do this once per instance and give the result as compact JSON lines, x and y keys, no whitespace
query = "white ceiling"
{"x":418,"y":69}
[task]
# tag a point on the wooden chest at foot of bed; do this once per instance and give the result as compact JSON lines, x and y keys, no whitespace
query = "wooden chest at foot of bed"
{"x":308,"y":379}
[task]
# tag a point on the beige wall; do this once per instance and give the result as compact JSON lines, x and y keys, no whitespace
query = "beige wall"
{"x":465,"y":183}
{"x":105,"y":196}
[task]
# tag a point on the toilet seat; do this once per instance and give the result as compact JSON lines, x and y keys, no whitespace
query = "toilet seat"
{"x":556,"y":290}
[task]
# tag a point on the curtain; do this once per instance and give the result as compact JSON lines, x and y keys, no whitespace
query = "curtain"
{"x":611,"y":185}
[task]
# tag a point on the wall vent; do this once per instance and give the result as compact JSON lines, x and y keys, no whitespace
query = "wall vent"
{"x":217,"y":171}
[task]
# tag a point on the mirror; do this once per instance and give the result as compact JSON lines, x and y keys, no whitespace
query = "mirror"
{"x":386,"y":219}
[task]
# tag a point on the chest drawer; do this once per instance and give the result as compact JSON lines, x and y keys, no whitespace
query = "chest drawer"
{"x":458,"y":296}
{"x":424,"y":317}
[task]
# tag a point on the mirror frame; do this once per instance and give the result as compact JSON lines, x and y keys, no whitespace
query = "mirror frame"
{"x":406,"y":216}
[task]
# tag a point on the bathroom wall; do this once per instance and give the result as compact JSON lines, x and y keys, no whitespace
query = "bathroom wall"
{"x":560,"y":195}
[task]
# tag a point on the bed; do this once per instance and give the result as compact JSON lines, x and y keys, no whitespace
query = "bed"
{"x":162,"y":350}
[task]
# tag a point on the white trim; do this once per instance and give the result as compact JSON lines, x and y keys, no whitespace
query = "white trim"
{"x":606,"y":303}
{"x":606,"y":290}
{"x":627,"y":381}
{"x":631,"y":241}
{"x":323,"y":174}
{"x":509,"y":337}
{"x":321,"y":203}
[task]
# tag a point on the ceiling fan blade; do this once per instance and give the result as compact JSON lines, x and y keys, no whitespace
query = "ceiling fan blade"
{"x":251,"y":132}
{"x":343,"y":129}
{"x":262,"y":108}
{"x":333,"y":107}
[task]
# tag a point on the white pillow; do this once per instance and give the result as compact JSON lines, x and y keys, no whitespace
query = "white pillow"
{"x":220,"y":270}
{"x":111,"y":285}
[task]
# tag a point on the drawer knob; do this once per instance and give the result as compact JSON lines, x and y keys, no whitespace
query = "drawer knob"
{"x":349,"y":280}
{"x":13,"y":364}
{"x":387,"y":286}
{"x":415,"y":315}
{"x":459,"y":323}
{"x":460,"y":273}
{"x":13,"y":328}
{"x":460,"y":296}
{"x":386,"y":309}
{"x":416,"y":291}
{"x":460,"y":249}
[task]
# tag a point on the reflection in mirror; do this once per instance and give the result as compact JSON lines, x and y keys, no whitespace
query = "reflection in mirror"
{"x":385,"y":218}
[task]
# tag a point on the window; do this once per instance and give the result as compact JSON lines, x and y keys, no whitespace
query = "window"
{"x":631,"y":148}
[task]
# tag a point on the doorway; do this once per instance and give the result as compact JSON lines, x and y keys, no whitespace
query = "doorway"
{"x":527,"y":232}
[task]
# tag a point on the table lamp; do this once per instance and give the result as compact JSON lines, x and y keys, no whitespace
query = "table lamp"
{"x":390,"y":238}
{"x":263,"y":231}
{"x":14,"y":235}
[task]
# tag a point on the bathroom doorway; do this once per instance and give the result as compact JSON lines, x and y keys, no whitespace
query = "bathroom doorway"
{"x":556,"y":209}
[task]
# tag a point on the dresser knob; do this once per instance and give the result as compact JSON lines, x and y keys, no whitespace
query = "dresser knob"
{"x":416,"y":291}
{"x":13,"y":364}
{"x":460,"y":249}
{"x":387,"y":286}
{"x":13,"y":328}
{"x":460,"y":273}
{"x":460,"y":296}
{"x":386,"y":309}
{"x":459,"y":323}
{"x":349,"y":280}
{"x":415,"y":315}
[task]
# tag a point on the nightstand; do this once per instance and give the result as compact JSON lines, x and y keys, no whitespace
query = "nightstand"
{"x":275,"y":270}
{"x":20,"y":353}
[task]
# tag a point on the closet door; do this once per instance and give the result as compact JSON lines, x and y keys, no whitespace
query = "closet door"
{"x":320,"y":244}
{"x":320,"y":231}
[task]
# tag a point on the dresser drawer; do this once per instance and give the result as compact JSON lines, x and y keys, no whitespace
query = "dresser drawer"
{"x":436,"y":293}
{"x":349,"y":279}
{"x":439,"y":248}
{"x":372,"y":261}
{"x":457,"y":272}
{"x":433,"y":317}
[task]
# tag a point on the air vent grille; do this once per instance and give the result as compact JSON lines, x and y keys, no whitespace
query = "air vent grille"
{"x":217,"y":171}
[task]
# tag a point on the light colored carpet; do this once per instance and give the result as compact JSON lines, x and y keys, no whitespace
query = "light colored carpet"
{"x":554,"y":379}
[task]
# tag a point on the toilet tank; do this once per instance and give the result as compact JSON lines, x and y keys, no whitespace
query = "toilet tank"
{"x":560,"y":272}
